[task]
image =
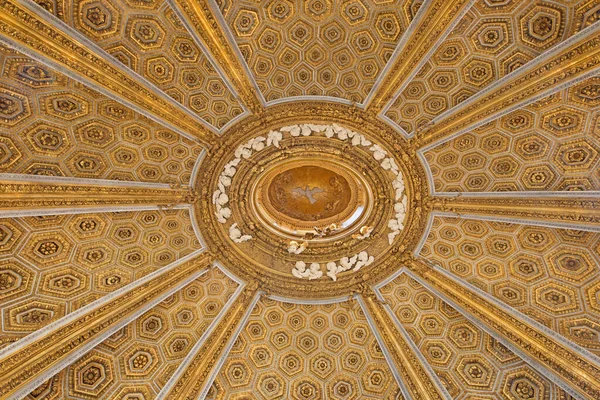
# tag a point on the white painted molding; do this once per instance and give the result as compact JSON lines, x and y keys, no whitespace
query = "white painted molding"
{"x":292,"y":300}
{"x":407,"y":339}
{"x":85,"y":210}
{"x":384,"y":348}
{"x":518,"y":221}
{"x":216,"y":12}
{"x":400,"y":47}
{"x":508,"y":195}
{"x":64,"y":180}
{"x":588,"y":32}
{"x":229,"y":274}
{"x":196,"y":169}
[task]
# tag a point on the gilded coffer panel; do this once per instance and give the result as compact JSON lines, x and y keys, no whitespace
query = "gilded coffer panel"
{"x":53,"y":265}
{"x":468,"y":361}
{"x":150,"y":39}
{"x":551,"y":275}
{"x":317,"y":47}
{"x":552,"y":144}
{"x":493,"y":39}
{"x":290,"y":351}
{"x":137,"y":360}
{"x":52,"y":125}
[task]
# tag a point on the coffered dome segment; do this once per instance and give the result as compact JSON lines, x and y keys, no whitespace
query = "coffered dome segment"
{"x":150,"y":39}
{"x":305,"y":352}
{"x":492,"y":40}
{"x":319,"y":47}
{"x":54,"y":265}
{"x":73,"y":131}
{"x":552,"y":144}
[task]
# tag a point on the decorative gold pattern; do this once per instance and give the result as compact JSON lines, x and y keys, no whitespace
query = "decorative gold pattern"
{"x":195,"y":377}
{"x":27,"y":196}
{"x":200,"y":16}
{"x":414,"y":375}
{"x":438,"y":16}
{"x":580,"y":57}
{"x":580,"y":212}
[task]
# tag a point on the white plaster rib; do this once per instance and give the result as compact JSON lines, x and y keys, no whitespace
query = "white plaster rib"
{"x":232,"y":340}
{"x":384,"y":348}
{"x":400,"y":47}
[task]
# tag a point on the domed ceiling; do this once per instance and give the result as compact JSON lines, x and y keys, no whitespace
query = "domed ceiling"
{"x":299,"y":199}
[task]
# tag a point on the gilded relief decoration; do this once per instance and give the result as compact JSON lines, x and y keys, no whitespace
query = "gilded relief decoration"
{"x":317,"y":47}
{"x":51,"y":125}
{"x":552,"y":144}
{"x":285,"y":199}
{"x":149,"y":38}
{"x":51,"y":266}
{"x":492,"y":40}
{"x":550,"y":275}
{"x":290,"y":351}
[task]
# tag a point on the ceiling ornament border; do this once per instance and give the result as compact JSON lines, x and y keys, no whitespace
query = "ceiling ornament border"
{"x":28,"y":28}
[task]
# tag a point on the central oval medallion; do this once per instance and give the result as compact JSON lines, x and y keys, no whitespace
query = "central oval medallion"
{"x":297,"y":196}
{"x":309,"y":193}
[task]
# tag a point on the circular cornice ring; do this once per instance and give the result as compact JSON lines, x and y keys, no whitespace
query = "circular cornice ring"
{"x":265,"y":258}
